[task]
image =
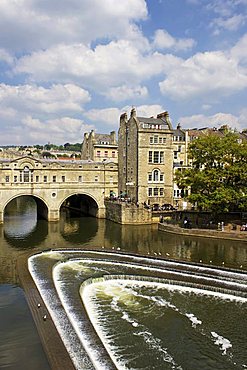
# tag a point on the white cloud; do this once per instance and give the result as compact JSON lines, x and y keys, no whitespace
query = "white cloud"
{"x":34,"y":24}
{"x":125,"y":92}
{"x":27,"y":113}
{"x":216,"y":120}
{"x":111,"y":116}
{"x":206,"y":106}
{"x":114,"y":64}
{"x":32,"y":98}
{"x":239,"y":51}
{"x":230,"y":23}
{"x":203,"y":74}
{"x":56,"y":131}
{"x":6,"y":57}
{"x":163,"y":40}
{"x":148,"y":110}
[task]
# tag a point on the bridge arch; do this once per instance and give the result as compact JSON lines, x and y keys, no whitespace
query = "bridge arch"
{"x":81,"y":202}
{"x":42,"y":207}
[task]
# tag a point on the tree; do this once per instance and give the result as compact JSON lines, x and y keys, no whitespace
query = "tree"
{"x":217,"y":177}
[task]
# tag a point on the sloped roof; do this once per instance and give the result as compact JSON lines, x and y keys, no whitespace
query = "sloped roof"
{"x":153,"y":121}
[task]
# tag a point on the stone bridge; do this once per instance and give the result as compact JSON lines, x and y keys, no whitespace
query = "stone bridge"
{"x":52,"y":183}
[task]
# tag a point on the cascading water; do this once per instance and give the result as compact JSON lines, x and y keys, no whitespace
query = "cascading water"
{"x":129,"y":312}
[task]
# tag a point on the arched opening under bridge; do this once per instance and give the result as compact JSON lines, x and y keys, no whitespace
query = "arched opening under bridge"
{"x":80,"y":204}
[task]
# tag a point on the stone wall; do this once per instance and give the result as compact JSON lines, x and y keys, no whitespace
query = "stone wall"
{"x":226,"y":234}
{"x":125,"y":213}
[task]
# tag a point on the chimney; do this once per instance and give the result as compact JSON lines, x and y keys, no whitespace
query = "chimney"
{"x":133,"y":112}
{"x":165,"y":117}
{"x":113,"y":137}
{"x":123,"y":117}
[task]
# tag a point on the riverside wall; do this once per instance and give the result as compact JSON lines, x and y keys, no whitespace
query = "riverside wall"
{"x":127,"y":213}
{"x":205,"y":233}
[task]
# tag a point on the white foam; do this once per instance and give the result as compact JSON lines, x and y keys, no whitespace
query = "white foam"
{"x":224,"y":343}
{"x":88,"y":293}
{"x":193,"y":319}
{"x":155,"y":269}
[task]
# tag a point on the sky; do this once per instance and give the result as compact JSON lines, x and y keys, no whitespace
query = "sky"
{"x":71,"y":66}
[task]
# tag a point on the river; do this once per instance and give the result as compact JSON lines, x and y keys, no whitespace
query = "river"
{"x":22,"y":232}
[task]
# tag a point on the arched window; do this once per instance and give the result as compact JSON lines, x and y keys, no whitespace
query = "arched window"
{"x":26,"y":174}
{"x":156,"y":175}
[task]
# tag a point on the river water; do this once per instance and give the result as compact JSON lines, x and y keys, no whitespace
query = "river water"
{"x":20,"y":346}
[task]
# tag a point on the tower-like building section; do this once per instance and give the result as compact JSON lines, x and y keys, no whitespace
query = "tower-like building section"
{"x":145,"y":158}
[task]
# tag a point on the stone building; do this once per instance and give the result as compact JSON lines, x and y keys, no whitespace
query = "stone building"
{"x":100,"y":147}
{"x":180,"y":161}
{"x":145,"y":155}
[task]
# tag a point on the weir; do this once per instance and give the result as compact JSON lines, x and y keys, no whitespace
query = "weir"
{"x":86,"y":291}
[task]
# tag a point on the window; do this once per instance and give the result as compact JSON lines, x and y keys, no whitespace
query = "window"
{"x":80,"y":178}
{"x":96,"y":179}
{"x":155,"y":139}
{"x":54,"y":178}
{"x":161,"y":192}
{"x":156,"y":192}
{"x":161,"y":157}
{"x":164,"y":140}
{"x":106,"y":153}
{"x":156,"y":157}
{"x":37,"y":178}
{"x":113,"y":154}
{"x":98,"y":153}
{"x":150,"y":192}
{"x":26,"y":174}
{"x":45,"y":178}
{"x":179,"y":148}
{"x":161,"y":177}
{"x":149,"y":177}
{"x":7,"y":178}
{"x":160,"y":140}
{"x":151,"y":140}
{"x":156,"y":175}
{"x":15,"y":178}
{"x":175,"y":155}
{"x":63,"y":178}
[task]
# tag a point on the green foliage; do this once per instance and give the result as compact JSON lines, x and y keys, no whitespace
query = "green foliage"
{"x":218,"y":175}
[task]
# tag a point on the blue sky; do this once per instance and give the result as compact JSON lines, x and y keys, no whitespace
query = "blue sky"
{"x":70,"y":66}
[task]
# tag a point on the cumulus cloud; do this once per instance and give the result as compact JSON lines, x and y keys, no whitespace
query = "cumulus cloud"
{"x":29,"y":111}
{"x":110,"y":116}
{"x":206,"y":73}
{"x":6,"y":57}
{"x":239,"y":51}
{"x":34,"y":98}
{"x":115,"y":63}
{"x":230,"y":23}
{"x":216,"y":120}
{"x":163,"y":40}
{"x":34,"y":24}
{"x":231,"y":14}
{"x":57,"y":131}
{"x":125,"y":92}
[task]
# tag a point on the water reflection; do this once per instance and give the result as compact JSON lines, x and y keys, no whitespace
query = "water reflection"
{"x":22,"y":231}
{"x":20,"y":346}
{"x":21,"y":227}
